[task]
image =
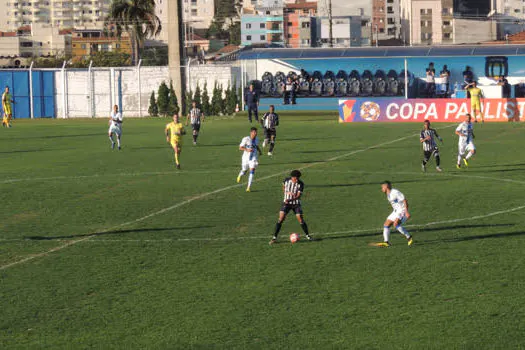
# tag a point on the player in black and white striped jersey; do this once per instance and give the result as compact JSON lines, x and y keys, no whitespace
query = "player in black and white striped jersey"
{"x":293,"y":189}
{"x":269,"y":121}
{"x":427,"y":139}
{"x":196,"y":117}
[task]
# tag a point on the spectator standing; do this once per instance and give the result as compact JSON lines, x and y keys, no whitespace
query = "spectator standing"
{"x":445,"y":80}
{"x":251,"y":99}
{"x":431,"y":81}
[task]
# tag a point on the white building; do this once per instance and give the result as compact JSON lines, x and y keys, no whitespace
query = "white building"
{"x":59,"y":13}
{"x":35,"y":40}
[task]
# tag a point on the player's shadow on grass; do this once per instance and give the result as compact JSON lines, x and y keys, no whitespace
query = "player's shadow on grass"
{"x":113,"y":232}
{"x":500,"y":170}
{"x":324,"y":151}
{"x":31,"y":150}
{"x":499,"y":165}
{"x":416,"y":233}
{"x":373,"y":183}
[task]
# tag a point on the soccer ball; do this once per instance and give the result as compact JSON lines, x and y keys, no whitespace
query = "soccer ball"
{"x":294,"y":237}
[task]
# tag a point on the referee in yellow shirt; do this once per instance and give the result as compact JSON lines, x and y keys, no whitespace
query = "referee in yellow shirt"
{"x":476,"y":94}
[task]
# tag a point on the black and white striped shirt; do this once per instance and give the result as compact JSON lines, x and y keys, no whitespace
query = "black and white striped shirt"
{"x":291,"y":190}
{"x":270,"y":120}
{"x":195,"y":115}
{"x":429,"y":145}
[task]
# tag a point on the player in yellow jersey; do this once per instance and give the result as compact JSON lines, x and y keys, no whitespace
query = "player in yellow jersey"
{"x":475,"y":101}
{"x":7,"y":99}
{"x":174,"y":132}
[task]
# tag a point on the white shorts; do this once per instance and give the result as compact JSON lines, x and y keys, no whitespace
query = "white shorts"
{"x":114,"y":129}
{"x":397,"y":216}
{"x":464,"y":147}
{"x":249,"y":164}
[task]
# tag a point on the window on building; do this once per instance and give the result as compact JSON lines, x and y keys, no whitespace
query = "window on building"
{"x":262,"y":37}
{"x":290,"y":24}
{"x":289,"y":36}
{"x":381,"y":30}
{"x":446,"y":23}
{"x":305,"y":25}
{"x":517,"y":10}
{"x":248,"y":26}
{"x":248,"y":37}
{"x":447,"y":11}
{"x":194,"y":12}
{"x":391,"y":21}
{"x":262,"y":25}
{"x":83,"y":46}
{"x":446,"y":36}
{"x":26,"y":44}
{"x":389,"y":9}
{"x":423,"y":24}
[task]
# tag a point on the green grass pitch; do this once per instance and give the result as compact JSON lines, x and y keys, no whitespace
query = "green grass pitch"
{"x":106,"y":249}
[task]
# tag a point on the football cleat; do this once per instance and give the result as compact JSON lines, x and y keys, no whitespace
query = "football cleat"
{"x":273,"y":240}
{"x":119,"y":148}
{"x":248,"y":189}
{"x":381,"y":244}
{"x":438,"y":169}
{"x":458,"y":166}
{"x":310,"y":238}
{"x":465,"y":161}
{"x":178,"y":166}
{"x":270,"y":154}
{"x":410,"y":241}
{"x":423,"y":168}
{"x":112,"y":145}
{"x":239,"y":179}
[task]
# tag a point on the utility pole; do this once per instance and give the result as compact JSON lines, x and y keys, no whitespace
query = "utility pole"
{"x":175,"y":48}
{"x":330,"y":25}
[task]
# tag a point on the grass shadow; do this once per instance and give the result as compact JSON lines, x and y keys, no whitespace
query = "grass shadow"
{"x":113,"y":232}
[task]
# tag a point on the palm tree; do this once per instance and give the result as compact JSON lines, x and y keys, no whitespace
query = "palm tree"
{"x":138,"y":19}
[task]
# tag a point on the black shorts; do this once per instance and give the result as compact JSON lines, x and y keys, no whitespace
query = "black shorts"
{"x":196,"y":127}
{"x":295,"y":207}
{"x":268,"y":133}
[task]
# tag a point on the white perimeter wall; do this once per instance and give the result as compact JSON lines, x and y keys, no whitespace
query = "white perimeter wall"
{"x":87,"y":94}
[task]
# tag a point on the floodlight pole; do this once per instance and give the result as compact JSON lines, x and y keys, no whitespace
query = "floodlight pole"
{"x":330,"y":25}
{"x":176,"y":44}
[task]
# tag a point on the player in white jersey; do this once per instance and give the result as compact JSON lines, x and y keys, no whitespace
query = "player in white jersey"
{"x":465,"y":131}
{"x":250,"y":147}
{"x":398,"y":216}
{"x":115,"y":126}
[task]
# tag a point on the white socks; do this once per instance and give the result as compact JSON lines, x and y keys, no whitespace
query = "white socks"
{"x":403,"y":231}
{"x":386,"y":233}
{"x":469,"y":155}
{"x":250,"y":180}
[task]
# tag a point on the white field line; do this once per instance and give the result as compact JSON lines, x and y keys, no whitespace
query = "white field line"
{"x":190,"y":200}
{"x":232,"y":238}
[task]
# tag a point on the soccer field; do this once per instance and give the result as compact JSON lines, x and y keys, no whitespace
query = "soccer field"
{"x":102,"y":248}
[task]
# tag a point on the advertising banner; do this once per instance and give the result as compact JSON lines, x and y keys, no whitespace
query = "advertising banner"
{"x":435,"y":110}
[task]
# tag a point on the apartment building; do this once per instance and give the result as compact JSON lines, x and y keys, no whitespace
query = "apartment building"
{"x":386,"y":21}
{"x":35,"y":40}
{"x":298,"y":23}
{"x":263,"y":25}
{"x":58,"y":13}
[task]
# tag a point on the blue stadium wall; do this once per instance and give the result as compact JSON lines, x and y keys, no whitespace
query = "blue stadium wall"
{"x":480,"y":59}
{"x":43,"y":92}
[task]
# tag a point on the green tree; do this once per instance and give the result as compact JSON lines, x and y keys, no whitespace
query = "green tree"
{"x":205,"y":100}
{"x":173,"y":104}
{"x":222,"y":101}
{"x":231,"y":100}
{"x":153,"y":109}
{"x":188,"y":98}
{"x":163,"y":98}
{"x":155,"y":56}
{"x":234,"y":34}
{"x":197,"y":96}
{"x":138,"y":19}
{"x":215,"y":100}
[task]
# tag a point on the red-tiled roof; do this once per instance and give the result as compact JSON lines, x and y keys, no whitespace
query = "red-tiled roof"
{"x":5,"y":34}
{"x":228,"y":49}
{"x":195,"y":37}
{"x":65,"y":31}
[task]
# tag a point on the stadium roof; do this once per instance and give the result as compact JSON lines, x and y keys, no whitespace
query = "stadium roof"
{"x":390,"y":51}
